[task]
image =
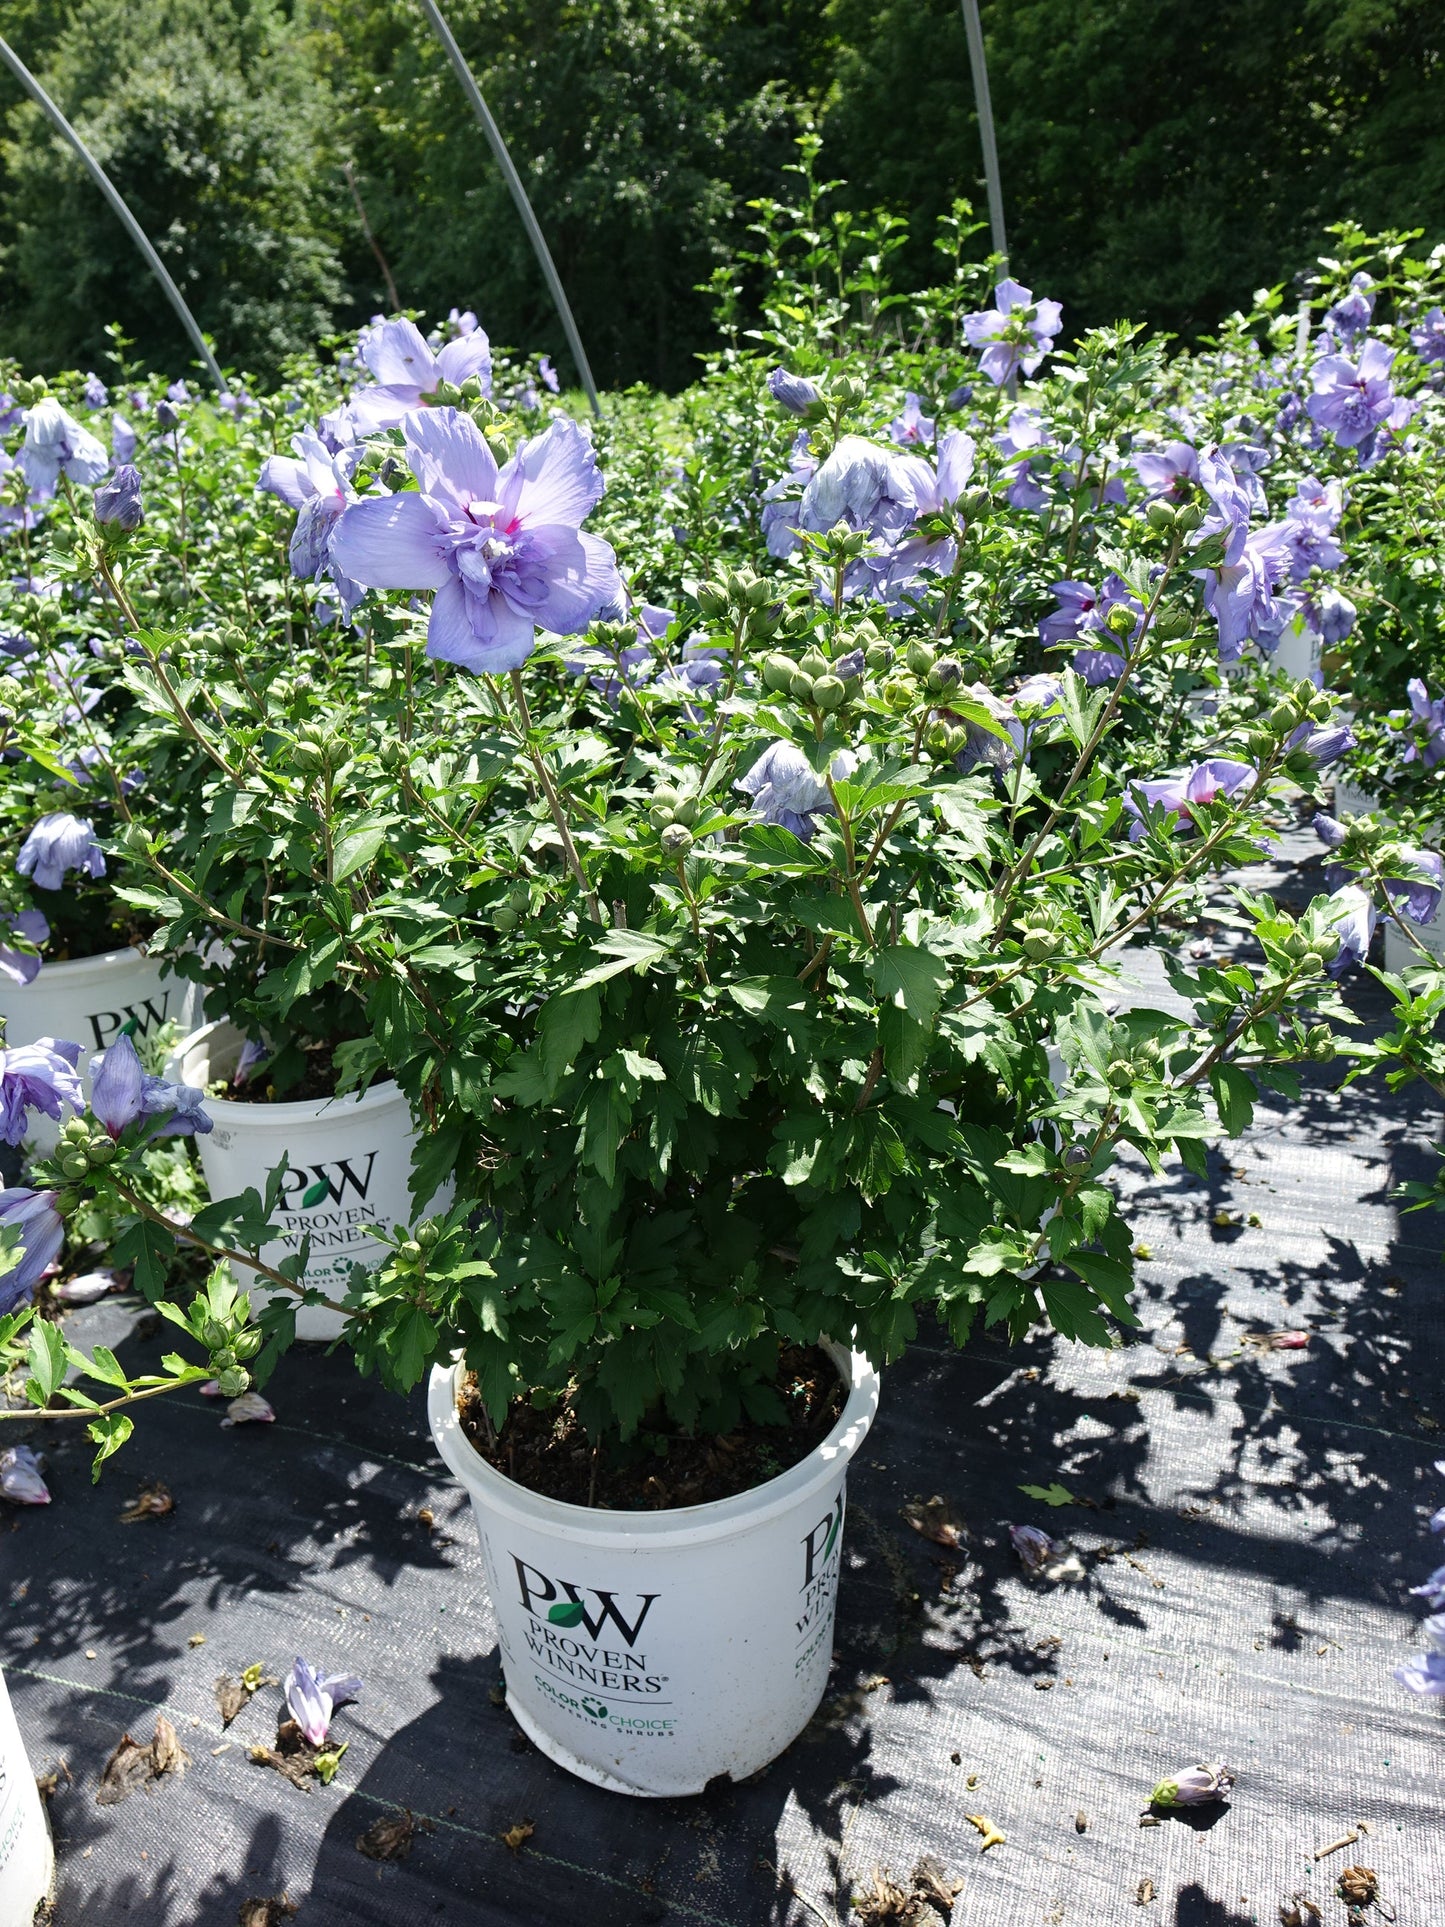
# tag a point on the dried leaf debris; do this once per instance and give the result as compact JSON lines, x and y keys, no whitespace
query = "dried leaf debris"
{"x":132,"y":1765}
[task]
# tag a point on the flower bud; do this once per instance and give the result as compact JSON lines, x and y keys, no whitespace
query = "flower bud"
{"x":246,"y":1344}
{"x":973,"y":504}
{"x":666,"y":798}
{"x":1161,"y":517}
{"x":899,"y":694}
{"x":1173,"y":624}
{"x":1120,"y":620}
{"x":919,"y":657}
{"x":74,"y":1165}
{"x":946,"y":673}
{"x":117,"y":502}
{"x":879,"y":657}
{"x":828,"y":693}
{"x":213,"y":1335}
{"x":801,"y":687}
{"x":759,"y":593}
{"x":410,"y":1250}
{"x":1210,"y":552}
{"x":168,"y":416}
{"x":224,"y":1360}
{"x":814,"y":663}
{"x":1039,"y":945}
{"x":778,"y":673}
{"x":1260,"y":743}
{"x":1196,"y":1787}
{"x":428,"y":1234}
{"x":686,"y":812}
{"x":101,"y":1150}
{"x":1188,"y":517}
{"x":505,"y":920}
{"x":712,"y":601}
{"x":232,"y":1382}
{"x":677,"y":839}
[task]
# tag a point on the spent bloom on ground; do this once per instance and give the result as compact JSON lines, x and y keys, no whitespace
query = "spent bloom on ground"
{"x":1015,"y":334}
{"x":31,"y":928}
{"x":1194,"y":1787}
{"x":786,"y":789}
{"x":1424,"y":1673}
{"x":55,"y":444}
{"x":503,"y":549}
{"x":1181,"y":795}
{"x":1352,"y":399}
{"x":59,"y":843}
{"x":793,"y":392}
{"x":37,"y":1077}
{"x":21,"y":1481}
{"x":313,"y":1697}
{"x":1034,"y":1547}
{"x":31,"y":1214}
{"x":122,"y":1090}
{"x":118,"y":500}
{"x":406,"y":372}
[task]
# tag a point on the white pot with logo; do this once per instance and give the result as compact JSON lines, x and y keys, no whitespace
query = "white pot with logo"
{"x":27,"y":1859}
{"x":1400,"y":953}
{"x":89,"y":1002}
{"x":348,"y":1161}
{"x":1351,"y":800}
{"x":651,"y":1652}
{"x":1300,"y":653}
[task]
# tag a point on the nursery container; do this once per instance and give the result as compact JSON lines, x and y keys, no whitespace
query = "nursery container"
{"x":89,"y":1002}
{"x":1352,"y":801}
{"x":348,"y":1161}
{"x":1300,"y":653}
{"x":1400,"y":952}
{"x":652,"y":1652}
{"x":27,"y":1859}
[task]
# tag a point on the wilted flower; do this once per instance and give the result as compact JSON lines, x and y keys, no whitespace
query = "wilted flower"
{"x":1015,"y":334}
{"x":249,"y":1409}
{"x":1203,"y":784}
{"x":34,"y":1216}
{"x":406,"y":372}
{"x":57,"y":844}
{"x":87,"y":1289}
{"x":503,"y":549}
{"x":37,"y":1077}
{"x":312,"y":1698}
{"x":912,"y":425}
{"x":118,"y":500}
{"x":20,"y":1479}
{"x":1195,"y":1787}
{"x":55,"y":444}
{"x":1351,"y":399}
{"x":785,"y":788}
{"x":121,"y":1091}
{"x":22,"y":966}
{"x":866,"y":487}
{"x":792,"y":392}
{"x":316,"y":483}
{"x":1424,"y":1673}
{"x":1034,"y":1547}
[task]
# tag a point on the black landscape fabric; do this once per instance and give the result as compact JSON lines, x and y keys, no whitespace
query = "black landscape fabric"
{"x":1247,"y":1524}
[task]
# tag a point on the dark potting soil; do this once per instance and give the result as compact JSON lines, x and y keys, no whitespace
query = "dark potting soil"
{"x":88,"y":922}
{"x":547,"y":1451}
{"x":318,"y":1079}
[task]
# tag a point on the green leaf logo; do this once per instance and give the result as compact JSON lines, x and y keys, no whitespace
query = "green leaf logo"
{"x":833,"y":1533}
{"x":567,"y":1613}
{"x":314,"y":1193}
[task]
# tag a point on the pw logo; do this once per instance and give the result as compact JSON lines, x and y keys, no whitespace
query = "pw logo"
{"x":302,"y":1189}
{"x":819,"y":1543}
{"x":560,"y":1603}
{"x":134,"y":1019}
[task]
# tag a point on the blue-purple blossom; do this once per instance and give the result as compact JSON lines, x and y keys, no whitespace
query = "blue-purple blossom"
{"x":1097,"y":666}
{"x":503,"y":548}
{"x":1015,"y":334}
{"x":790,"y":391}
{"x":33,"y":1215}
{"x":1322,"y":742}
{"x":937,"y":491}
{"x":548,"y":374}
{"x":122,"y":1090}
{"x":865,"y":486}
{"x":1248,"y":594}
{"x":987,"y":748}
{"x":787,"y":790}
{"x":1424,"y":1673}
{"x":912,"y":426}
{"x":37,"y":1077}
{"x":1169,"y":474}
{"x":1427,"y":337}
{"x":1181,"y":795}
{"x":1350,"y":316}
{"x":27,"y":927}
{"x":58,"y":844}
{"x":1352,"y":399}
{"x":1034,"y":1547}
{"x":781,"y":498}
{"x":1426,"y":742}
{"x":118,"y":500}
{"x":122,"y":439}
{"x":312,"y":1698}
{"x":167,"y":417}
{"x":95,"y":394}
{"x":406,"y":372}
{"x":316,"y":482}
{"x":55,"y":444}
{"x":1351,"y":916}
{"x":460,"y":321}
{"x":1416,"y":880}
{"x":1331,"y":614}
{"x":1084,"y":610}
{"x":20,"y":1476}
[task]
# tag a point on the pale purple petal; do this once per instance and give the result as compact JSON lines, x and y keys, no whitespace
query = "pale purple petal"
{"x":554,"y":478}
{"x":397,"y":355}
{"x":450,"y":459}
{"x":395,"y":542}
{"x":470,"y":354}
{"x":117,"y":1083}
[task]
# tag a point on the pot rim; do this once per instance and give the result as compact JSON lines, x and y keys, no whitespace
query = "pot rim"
{"x":76,"y":968}
{"x":302,"y":1110}
{"x":674,"y":1525}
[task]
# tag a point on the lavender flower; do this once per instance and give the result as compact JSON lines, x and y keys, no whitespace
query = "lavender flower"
{"x":780,"y":498}
{"x":316,"y":482}
{"x":1169,"y":474}
{"x":122,"y":439}
{"x":55,"y":444}
{"x":460,"y":321}
{"x":791,"y":391}
{"x":406,"y":372}
{"x":1352,"y":399}
{"x":1424,"y":1673}
{"x":1196,"y":1786}
{"x":865,"y":487}
{"x":121,"y":1091}
{"x":1097,"y":666}
{"x":503,"y":549}
{"x":19,"y":966}
{"x":1322,"y":743}
{"x":1350,"y":316}
{"x":937,"y":491}
{"x":118,"y":500}
{"x":167,"y":417}
{"x":1427,"y":337}
{"x":1428,"y":744}
{"x":1181,"y":795}
{"x":1015,"y":334}
{"x":1330,"y":614}
{"x":1351,"y":916}
{"x":1034,"y":1547}
{"x":1417,"y":894}
{"x":20,"y":1479}
{"x":912,"y":426}
{"x":95,"y":394}
{"x":313,"y":1697}
{"x":37,"y":1077}
{"x":34,"y":1216}
{"x":548,"y":374}
{"x":57,"y":844}
{"x":1248,"y":593}
{"x":786,"y":790}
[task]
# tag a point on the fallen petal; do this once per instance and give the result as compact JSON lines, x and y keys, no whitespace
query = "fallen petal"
{"x":88,"y":1287}
{"x":250,"y":1408}
{"x":20,"y":1480}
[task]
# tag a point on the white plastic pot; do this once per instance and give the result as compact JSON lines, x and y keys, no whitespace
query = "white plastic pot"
{"x":1300,"y":652}
{"x":1353,"y":801}
{"x":27,"y":1859}
{"x":348,"y":1161}
{"x":651,"y":1652}
{"x":88,"y":1002}
{"x":1400,"y":952}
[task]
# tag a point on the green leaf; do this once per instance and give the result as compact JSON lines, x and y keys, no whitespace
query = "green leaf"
{"x":1054,"y":1494}
{"x":914,"y":978}
{"x":564,"y":1613}
{"x":623,"y":950}
{"x":564,"y":1025}
{"x":356,"y":848}
{"x":1234,"y":1094}
{"x":47,"y":1361}
{"x":110,"y":1432}
{"x":147,"y":1248}
{"x":411,"y":1342}
{"x":104,"y":1365}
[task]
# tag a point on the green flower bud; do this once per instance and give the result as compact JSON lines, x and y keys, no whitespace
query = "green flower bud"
{"x":428,"y":1234}
{"x":801,"y":687}
{"x":1321,"y":706}
{"x":74,"y":1164}
{"x":1161,"y":517}
{"x":759,"y":594}
{"x":1284,"y":717}
{"x":946,"y":673}
{"x":1210,"y":552}
{"x":973,"y":504}
{"x":937,"y":738}
{"x":778,"y":672}
{"x":505,"y":920}
{"x":101,"y":1150}
{"x":814,"y":663}
{"x":1120,"y":620}
{"x":677,"y":839}
{"x":1038,"y":945}
{"x":899,"y":694}
{"x":410,"y":1250}
{"x":224,"y":1360}
{"x":213,"y":1335}
{"x":246,"y":1344}
{"x":1173,"y":624}
{"x":666,"y":798}
{"x":1189,"y":517}
{"x":1311,"y":964}
{"x":233,"y":1382}
{"x":686,"y":811}
{"x":521,"y":898}
{"x":712,"y":601}
{"x":879,"y":657}
{"x":1260,"y":743}
{"x":1120,"y":1072}
{"x":829,"y":692}
{"x":919,"y":657}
